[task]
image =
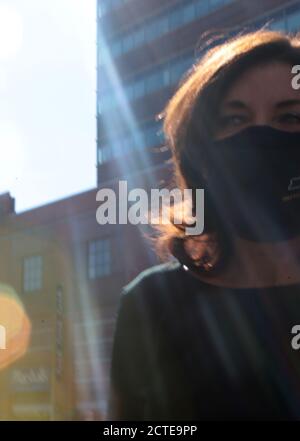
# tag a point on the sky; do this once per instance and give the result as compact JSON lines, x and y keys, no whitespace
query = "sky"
{"x":47,"y":99}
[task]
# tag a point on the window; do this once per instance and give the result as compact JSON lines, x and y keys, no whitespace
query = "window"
{"x":179,"y":68}
{"x":100,"y":155}
{"x":147,"y":136}
{"x":139,"y":89}
{"x":163,"y":75}
{"x":201,"y":7}
{"x":104,"y":153}
{"x":293,"y":21}
{"x":151,"y":137}
{"x":117,"y":147}
{"x":151,"y":31}
{"x":99,"y":258}
{"x":116,"y":48}
{"x":128,"y":43}
{"x":278,"y":25}
{"x":162,"y":25}
{"x":138,"y":37}
{"x":128,"y":144}
{"x":107,"y":153}
{"x":154,"y":81}
{"x":216,"y":3}
{"x":32,"y":273}
{"x":189,"y":13}
{"x":129,"y":91}
{"x":176,"y":19}
{"x":166,"y":74}
{"x":184,"y":13}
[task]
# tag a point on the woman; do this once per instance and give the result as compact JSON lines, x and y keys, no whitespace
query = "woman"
{"x":210,"y":336}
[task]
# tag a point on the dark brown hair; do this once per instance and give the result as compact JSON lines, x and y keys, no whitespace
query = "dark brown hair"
{"x":189,"y":119}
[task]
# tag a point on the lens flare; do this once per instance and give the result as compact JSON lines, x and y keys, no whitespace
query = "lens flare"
{"x":15,"y":327}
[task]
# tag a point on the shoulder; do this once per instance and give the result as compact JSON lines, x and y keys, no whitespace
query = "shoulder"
{"x":144,"y":301}
{"x":167,"y":283}
{"x":159,"y":288}
{"x":156,"y":276}
{"x":155,"y":286}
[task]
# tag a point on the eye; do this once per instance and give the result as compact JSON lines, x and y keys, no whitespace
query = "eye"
{"x":290,"y":118}
{"x":232,"y":120}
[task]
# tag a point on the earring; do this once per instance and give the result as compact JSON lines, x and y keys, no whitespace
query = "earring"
{"x":206,"y":263}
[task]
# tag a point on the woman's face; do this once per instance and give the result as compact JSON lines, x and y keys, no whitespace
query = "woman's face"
{"x":261,"y":96}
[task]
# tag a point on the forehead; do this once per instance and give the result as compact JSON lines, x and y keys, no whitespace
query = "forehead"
{"x":265,"y":83}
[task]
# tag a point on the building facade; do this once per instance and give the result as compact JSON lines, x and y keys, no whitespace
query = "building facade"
{"x":67,"y":269}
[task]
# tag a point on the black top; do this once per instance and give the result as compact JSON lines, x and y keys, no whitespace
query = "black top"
{"x":188,"y":350}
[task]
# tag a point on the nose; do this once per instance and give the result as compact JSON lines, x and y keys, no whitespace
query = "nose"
{"x":261,"y":118}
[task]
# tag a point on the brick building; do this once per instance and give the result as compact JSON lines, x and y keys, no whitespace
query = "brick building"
{"x":67,"y":269}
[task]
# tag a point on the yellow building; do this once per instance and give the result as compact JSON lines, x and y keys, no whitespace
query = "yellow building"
{"x":67,"y":271}
{"x":38,"y":385}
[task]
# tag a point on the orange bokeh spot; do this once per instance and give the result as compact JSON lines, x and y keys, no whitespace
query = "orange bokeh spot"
{"x":15,"y":329}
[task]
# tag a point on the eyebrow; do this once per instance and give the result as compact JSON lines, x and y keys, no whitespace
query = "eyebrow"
{"x":237,"y":104}
{"x":287,"y":103}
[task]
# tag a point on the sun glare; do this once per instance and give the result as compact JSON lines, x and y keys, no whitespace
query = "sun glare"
{"x":12,"y":155}
{"x":11,"y":31}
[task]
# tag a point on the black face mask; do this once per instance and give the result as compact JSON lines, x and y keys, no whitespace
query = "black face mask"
{"x":253,"y":181}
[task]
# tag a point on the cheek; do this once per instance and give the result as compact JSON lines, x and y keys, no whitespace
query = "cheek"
{"x":285,"y":126}
{"x":226,"y":132}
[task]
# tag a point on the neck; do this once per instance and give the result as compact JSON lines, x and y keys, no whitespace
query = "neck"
{"x":255,"y":264}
